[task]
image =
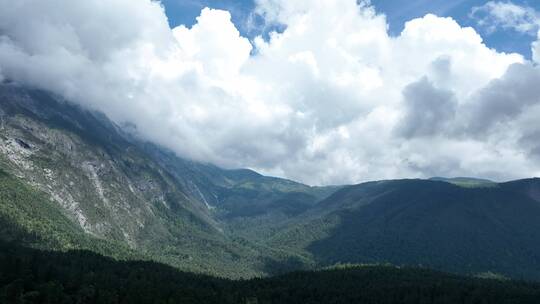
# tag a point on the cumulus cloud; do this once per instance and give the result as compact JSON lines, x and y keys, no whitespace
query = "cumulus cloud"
{"x":503,"y":100}
{"x":332,"y":98}
{"x":427,"y":109}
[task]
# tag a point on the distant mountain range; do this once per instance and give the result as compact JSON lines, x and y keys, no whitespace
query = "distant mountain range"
{"x":72,"y":179}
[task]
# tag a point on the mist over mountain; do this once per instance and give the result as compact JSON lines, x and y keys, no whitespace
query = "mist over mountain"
{"x":269,"y":151}
{"x":106,"y":187}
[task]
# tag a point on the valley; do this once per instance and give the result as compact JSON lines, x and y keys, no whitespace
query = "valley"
{"x":97,"y":187}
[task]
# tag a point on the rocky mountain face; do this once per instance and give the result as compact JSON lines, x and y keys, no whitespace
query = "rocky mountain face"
{"x":118,"y":188}
{"x":70,"y":178}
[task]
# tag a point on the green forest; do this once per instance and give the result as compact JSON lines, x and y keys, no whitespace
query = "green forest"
{"x":34,"y":276}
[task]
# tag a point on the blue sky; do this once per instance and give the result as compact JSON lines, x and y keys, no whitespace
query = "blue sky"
{"x":397,"y":12}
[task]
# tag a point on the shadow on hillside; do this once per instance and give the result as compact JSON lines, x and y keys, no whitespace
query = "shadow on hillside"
{"x":35,"y":276}
{"x":440,"y":226}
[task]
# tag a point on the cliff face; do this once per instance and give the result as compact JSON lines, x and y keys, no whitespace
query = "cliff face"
{"x":118,"y":188}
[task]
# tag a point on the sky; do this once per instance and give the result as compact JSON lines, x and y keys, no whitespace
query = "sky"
{"x":323,"y":92}
{"x":397,"y":12}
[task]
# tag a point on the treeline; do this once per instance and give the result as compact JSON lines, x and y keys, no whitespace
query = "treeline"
{"x":34,"y":276}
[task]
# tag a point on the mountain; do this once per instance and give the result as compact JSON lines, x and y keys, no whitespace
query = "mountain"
{"x":247,"y":203}
{"x":119,"y":189}
{"x":34,"y":276}
{"x":466,"y":181}
{"x":30,"y":218}
{"x":72,"y":179}
{"x":434,"y":224}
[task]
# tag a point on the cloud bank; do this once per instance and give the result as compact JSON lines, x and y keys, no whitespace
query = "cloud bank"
{"x":333,"y":98}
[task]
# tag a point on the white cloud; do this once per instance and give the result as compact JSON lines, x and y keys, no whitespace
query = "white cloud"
{"x":507,"y":15}
{"x":214,"y":31}
{"x":319,"y":102}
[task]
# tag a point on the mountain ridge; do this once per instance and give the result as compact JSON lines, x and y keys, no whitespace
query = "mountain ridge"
{"x":144,"y":200}
{"x":121,"y":189}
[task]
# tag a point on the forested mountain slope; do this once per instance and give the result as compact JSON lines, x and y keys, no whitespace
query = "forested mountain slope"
{"x":32,"y":276}
{"x":72,"y":179}
{"x":117,"y":188}
{"x":435,"y":224}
